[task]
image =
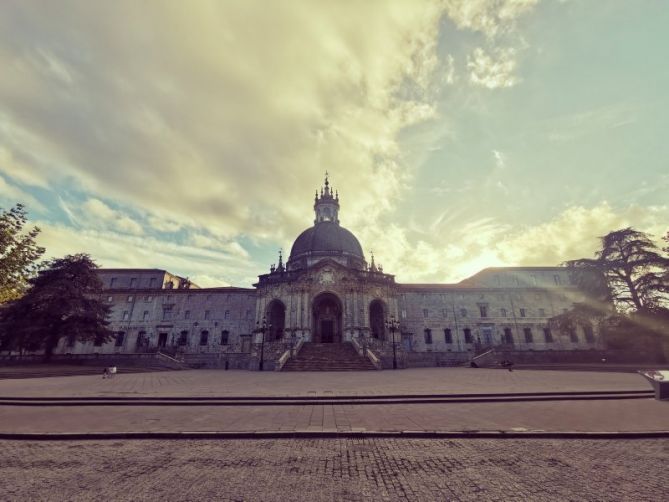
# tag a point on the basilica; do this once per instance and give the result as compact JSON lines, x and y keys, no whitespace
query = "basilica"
{"x":329,"y":302}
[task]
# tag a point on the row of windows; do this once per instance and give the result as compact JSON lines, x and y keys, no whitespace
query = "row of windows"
{"x":149,"y":298}
{"x":204,"y":338}
{"x":483,"y":312}
{"x":182,"y":340}
{"x":113,"y":282}
{"x":167,"y":315}
{"x":507,"y":336}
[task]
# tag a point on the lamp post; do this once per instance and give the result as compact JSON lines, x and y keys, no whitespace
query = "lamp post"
{"x":393,"y":326}
{"x":261,"y":329}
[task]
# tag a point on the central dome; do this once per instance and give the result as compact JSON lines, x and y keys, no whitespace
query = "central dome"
{"x":326,"y":238}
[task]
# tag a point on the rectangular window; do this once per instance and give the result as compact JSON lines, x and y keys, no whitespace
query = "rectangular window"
{"x":548,"y":335}
{"x":528,"y":335}
{"x":226,"y":315}
{"x":225,"y":335}
{"x":444,"y":313}
{"x":404,"y":314}
{"x":556,"y":280}
{"x":183,"y":338}
{"x":502,"y":312}
{"x":145,"y":315}
{"x":206,"y":314}
{"x":463,"y":312}
{"x":125,"y":315}
{"x":448,"y":336}
{"x":589,"y":334}
{"x":70,"y":341}
{"x":573,"y":336}
{"x":248,"y":314}
{"x":148,"y":298}
{"x":426,"y":313}
{"x":133,"y":282}
{"x":208,"y":297}
{"x":428,"y":336}
{"x":152,"y":282}
{"x":523,"y":313}
{"x":542,"y":312}
{"x":97,"y":342}
{"x":187,"y":314}
{"x":533,"y":278}
{"x":110,"y":299}
{"x":130,"y":298}
{"x":508,"y":336}
{"x":167,"y":314}
{"x":468,"y":336}
{"x":204,"y":337}
{"x":483,"y":309}
{"x":112,"y":282}
{"x":119,"y":339}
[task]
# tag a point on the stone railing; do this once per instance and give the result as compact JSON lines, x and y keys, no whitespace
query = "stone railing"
{"x":293,"y":351}
{"x":364,"y":351}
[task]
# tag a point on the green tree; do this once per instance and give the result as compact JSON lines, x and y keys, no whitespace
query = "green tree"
{"x":625,"y":287}
{"x":63,"y":302}
{"x":629,"y":269}
{"x":19,"y":253}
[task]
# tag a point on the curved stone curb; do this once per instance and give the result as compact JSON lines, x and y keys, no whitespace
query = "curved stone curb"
{"x":192,"y":435}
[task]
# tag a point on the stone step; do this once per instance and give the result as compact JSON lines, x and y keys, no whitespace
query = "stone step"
{"x":328,"y":357}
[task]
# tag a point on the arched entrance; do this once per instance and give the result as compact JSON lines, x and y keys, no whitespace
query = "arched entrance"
{"x":327,"y":315}
{"x":377,"y":319}
{"x":276,"y":320}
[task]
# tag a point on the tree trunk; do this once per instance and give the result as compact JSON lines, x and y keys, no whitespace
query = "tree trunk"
{"x":51,"y":343}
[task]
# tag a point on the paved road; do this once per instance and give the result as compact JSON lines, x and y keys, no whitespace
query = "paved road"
{"x":327,"y":470}
{"x":250,"y":383}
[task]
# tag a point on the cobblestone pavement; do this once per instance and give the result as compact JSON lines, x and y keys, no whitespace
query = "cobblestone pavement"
{"x":251,"y":383}
{"x":591,"y":415}
{"x":336,"y":469}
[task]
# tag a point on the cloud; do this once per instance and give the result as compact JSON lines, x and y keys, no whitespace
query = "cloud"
{"x":493,"y":70}
{"x":575,"y":232}
{"x":450,"y":249}
{"x":100,"y":214}
{"x":218,"y":115}
{"x":490,"y":17}
{"x":11,"y":194}
{"x":111,"y":248}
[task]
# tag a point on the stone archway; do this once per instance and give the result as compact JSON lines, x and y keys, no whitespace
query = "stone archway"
{"x":327,"y":319}
{"x":276,"y":320}
{"x":377,"y":318}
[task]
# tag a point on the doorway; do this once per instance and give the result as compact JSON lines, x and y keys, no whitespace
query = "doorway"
{"x":377,"y":319}
{"x":327,"y":319}
{"x":162,"y":340}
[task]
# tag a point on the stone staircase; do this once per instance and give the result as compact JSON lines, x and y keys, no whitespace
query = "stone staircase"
{"x":328,"y":357}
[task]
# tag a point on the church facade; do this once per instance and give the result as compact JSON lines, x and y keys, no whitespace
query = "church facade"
{"x":327,"y":293}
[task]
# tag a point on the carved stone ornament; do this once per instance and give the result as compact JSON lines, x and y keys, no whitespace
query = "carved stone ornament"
{"x":326,"y":277}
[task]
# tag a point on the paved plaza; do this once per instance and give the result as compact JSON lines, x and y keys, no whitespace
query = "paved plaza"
{"x":336,"y":469}
{"x":343,"y":468}
{"x":270,"y":383}
{"x":566,"y":414}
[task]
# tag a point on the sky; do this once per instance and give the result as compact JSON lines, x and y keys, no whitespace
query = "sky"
{"x":460,"y":134}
